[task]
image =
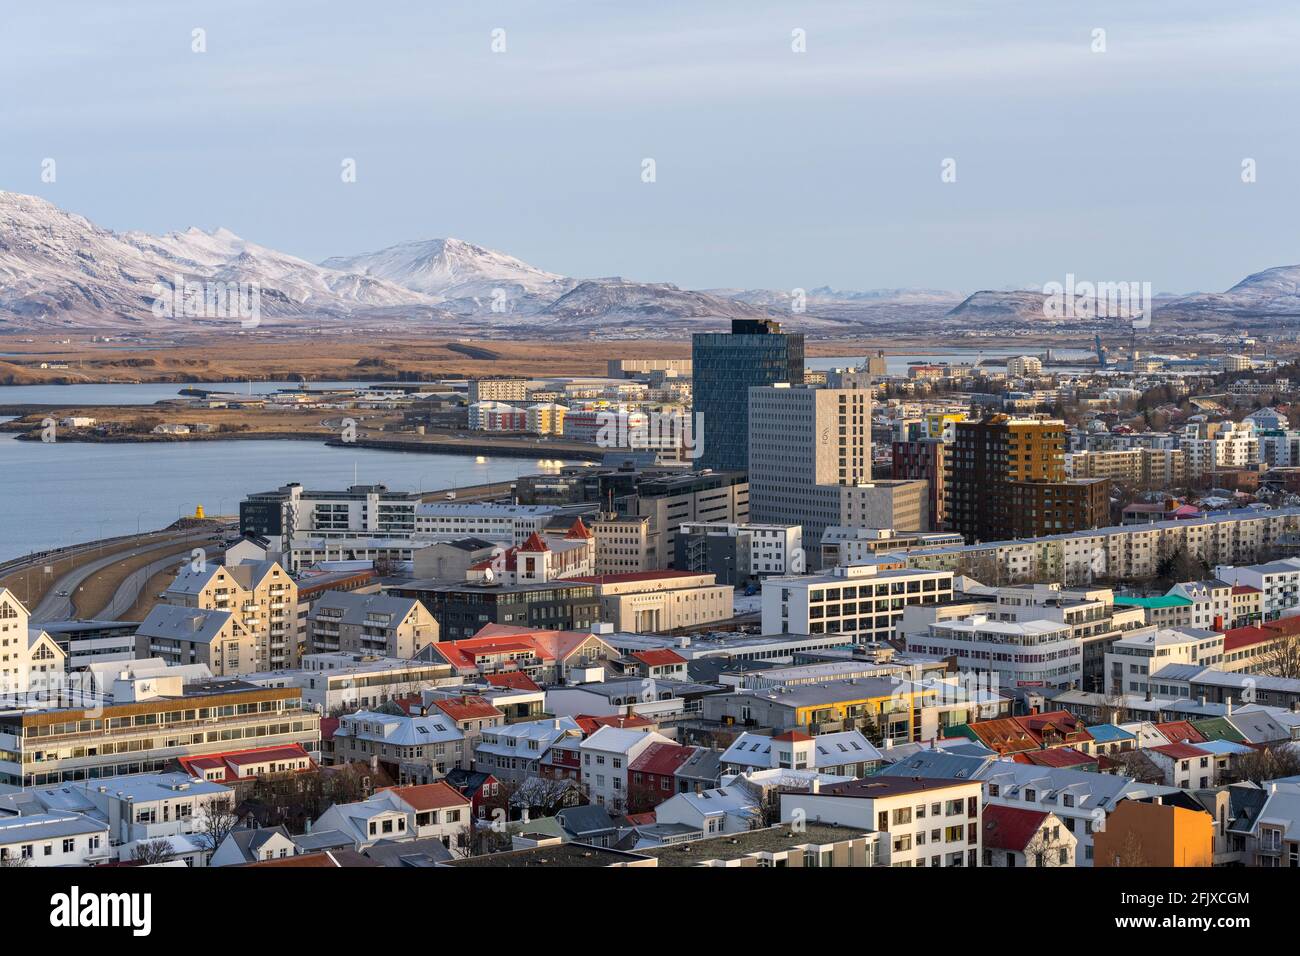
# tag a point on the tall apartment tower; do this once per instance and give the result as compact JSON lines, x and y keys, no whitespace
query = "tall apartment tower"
{"x":1006,"y":479}
{"x":725,"y":366}
{"x":810,"y":464}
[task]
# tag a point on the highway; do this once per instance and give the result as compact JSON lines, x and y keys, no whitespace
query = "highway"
{"x":56,"y":606}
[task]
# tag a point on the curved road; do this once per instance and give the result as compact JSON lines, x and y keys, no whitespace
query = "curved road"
{"x":129,"y":590}
{"x":54,"y":607}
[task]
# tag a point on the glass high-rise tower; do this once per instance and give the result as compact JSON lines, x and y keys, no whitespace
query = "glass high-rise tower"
{"x":724,"y":367}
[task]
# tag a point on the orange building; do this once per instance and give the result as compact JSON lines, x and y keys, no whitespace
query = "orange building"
{"x":1152,"y":834}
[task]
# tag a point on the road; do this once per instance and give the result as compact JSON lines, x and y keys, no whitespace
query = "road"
{"x":128,"y":591}
{"x":54,"y":607}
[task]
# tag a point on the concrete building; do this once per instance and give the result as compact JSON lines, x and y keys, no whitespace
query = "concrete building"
{"x":623,"y":543}
{"x":652,"y":601}
{"x":672,"y":500}
{"x":186,"y":635}
{"x":1006,"y":479}
{"x":260,"y":596}
{"x":740,"y":554}
{"x":810,"y":463}
{"x":1120,"y":553}
{"x":862,"y":603}
{"x":379,"y":625}
{"x":923,"y":822}
{"x":144,"y":725}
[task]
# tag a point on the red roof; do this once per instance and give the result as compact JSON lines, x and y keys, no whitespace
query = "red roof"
{"x":515,"y":680}
{"x":577,"y":530}
{"x":431,"y":796}
{"x":663,"y":759}
{"x":1240,"y":637}
{"x":231,"y":761}
{"x":1284,"y":626}
{"x":1009,"y":735}
{"x":659,"y":658}
{"x":1055,"y":757}
{"x":1010,"y":828}
{"x":631,"y":576}
{"x":589,"y":724}
{"x":534,"y":543}
{"x":1244,"y":589}
{"x":467,"y":707}
{"x":1180,"y":751}
{"x":327,"y":727}
{"x":1181,"y":732}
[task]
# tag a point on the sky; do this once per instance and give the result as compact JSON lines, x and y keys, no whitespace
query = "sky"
{"x":772,"y":168}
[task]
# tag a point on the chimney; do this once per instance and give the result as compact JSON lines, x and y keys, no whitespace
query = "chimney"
{"x":1229,"y":703}
{"x":816,"y":785}
{"x":555,"y":724}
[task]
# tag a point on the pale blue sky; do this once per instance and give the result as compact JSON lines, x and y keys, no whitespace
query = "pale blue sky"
{"x":775,"y":169}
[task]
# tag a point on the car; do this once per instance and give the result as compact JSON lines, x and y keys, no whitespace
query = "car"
{"x":60,"y":593}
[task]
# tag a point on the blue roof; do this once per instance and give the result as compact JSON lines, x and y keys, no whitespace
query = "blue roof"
{"x":1109,"y":733}
{"x":1224,"y":747}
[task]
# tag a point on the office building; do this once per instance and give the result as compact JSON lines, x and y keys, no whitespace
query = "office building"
{"x":1006,"y":479}
{"x":724,"y":368}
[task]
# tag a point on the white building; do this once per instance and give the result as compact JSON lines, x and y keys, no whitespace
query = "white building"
{"x":847,"y":753}
{"x":53,"y":839}
{"x":1131,"y":660}
{"x":1030,"y":653}
{"x":861,"y":602}
{"x":1278,"y":580}
{"x":606,"y":755}
{"x":928,"y":822}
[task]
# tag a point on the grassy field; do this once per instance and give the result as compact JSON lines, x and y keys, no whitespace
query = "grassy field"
{"x":288,"y":355}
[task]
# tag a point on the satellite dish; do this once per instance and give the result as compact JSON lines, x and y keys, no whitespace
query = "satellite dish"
{"x":488,"y":575}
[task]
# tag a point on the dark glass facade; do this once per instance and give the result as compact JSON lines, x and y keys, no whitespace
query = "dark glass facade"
{"x":725,"y":366}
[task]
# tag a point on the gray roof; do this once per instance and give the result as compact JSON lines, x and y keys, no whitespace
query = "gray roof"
{"x":356,"y":606}
{"x":248,"y":842}
{"x":420,"y":853}
{"x":183,"y":623}
{"x":581,"y":821}
{"x":47,"y":826}
{"x":322,"y":840}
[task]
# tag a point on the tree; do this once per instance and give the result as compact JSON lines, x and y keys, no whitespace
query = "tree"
{"x":14,"y":862}
{"x":1269,"y":763}
{"x":1047,"y":848}
{"x":152,"y":852}
{"x":1135,"y":764}
{"x":219,"y":819}
{"x":1282,"y":659}
{"x":1130,"y":852}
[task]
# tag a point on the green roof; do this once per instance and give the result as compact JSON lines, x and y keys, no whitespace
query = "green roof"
{"x":1218,"y":728}
{"x":1164,"y":600}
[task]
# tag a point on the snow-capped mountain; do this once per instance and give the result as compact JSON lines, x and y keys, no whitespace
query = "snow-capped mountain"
{"x":452,"y":269}
{"x":58,"y":268}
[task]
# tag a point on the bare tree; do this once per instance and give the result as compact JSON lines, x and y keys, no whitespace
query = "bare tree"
{"x":152,"y":852}
{"x":1282,"y":659}
{"x":1130,"y":853}
{"x":15,"y":862}
{"x":1269,"y":763}
{"x":1135,"y":764}
{"x":1047,"y":848}
{"x":219,"y":819}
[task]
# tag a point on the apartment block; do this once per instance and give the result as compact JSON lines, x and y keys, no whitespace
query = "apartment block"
{"x":927,"y":822}
{"x":260,"y":596}
{"x":380,"y":625}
